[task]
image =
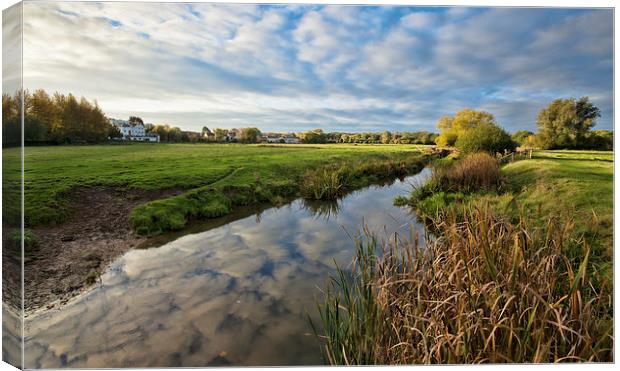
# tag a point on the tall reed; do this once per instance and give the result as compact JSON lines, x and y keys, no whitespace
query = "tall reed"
{"x":484,"y":290}
{"x":478,"y":171}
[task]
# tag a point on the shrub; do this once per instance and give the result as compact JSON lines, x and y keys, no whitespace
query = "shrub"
{"x":325,"y":184}
{"x":485,"y":290}
{"x":473,"y":173}
{"x":485,"y":137}
{"x":31,"y":241}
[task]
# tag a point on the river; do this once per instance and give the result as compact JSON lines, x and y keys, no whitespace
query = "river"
{"x":234,"y":291}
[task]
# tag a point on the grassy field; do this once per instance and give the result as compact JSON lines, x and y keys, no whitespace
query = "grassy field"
{"x":51,"y":172}
{"x":575,"y":184}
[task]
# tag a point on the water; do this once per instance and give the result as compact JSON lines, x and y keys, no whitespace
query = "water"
{"x":238,"y":292}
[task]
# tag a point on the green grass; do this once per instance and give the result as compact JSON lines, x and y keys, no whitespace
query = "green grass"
{"x":569,"y":184}
{"x":575,"y":185}
{"x":51,"y":172}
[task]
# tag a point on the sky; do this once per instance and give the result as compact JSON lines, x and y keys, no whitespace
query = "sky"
{"x":338,"y":68}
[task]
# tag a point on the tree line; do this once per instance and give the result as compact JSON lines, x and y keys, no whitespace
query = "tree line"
{"x":563,"y":124}
{"x":386,"y":137}
{"x":57,"y":119}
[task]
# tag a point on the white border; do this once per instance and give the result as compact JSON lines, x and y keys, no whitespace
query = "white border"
{"x":479,"y":3}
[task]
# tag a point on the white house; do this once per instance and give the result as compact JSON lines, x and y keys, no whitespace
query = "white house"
{"x":290,"y":139}
{"x":135,"y":132}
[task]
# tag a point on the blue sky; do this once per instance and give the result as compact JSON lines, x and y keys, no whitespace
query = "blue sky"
{"x":344,"y":68}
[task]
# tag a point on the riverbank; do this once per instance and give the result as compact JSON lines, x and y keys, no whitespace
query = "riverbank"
{"x":81,"y":220}
{"x":520,"y":271}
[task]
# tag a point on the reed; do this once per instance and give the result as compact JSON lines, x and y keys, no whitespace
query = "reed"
{"x":485,"y":290}
{"x":474,"y":173}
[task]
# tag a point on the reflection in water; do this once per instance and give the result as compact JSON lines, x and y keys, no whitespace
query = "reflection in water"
{"x":323,"y":209}
{"x":236,"y":294}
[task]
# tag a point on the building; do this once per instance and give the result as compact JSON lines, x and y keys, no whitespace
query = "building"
{"x":291,"y":139}
{"x":208,"y":134}
{"x":281,"y":138}
{"x":232,"y":135}
{"x":273,"y":139}
{"x":134,"y":131}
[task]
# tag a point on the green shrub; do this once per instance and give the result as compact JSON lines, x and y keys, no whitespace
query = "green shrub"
{"x":485,"y":137}
{"x":31,"y":241}
{"x":325,"y":184}
{"x":401,"y":201}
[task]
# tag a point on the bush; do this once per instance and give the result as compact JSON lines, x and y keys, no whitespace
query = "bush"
{"x":602,"y":140}
{"x":325,"y":184}
{"x":476,"y":172}
{"x":486,"y":137}
{"x":31,"y":242}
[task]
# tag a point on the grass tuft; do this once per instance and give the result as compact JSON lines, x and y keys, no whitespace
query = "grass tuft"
{"x":485,"y":290}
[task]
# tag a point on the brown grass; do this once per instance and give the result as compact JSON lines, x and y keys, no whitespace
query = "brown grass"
{"x":486,"y":290}
{"x":475,"y":172}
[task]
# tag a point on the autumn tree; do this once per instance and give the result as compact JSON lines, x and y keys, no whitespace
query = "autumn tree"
{"x":249,"y":135}
{"x":386,"y":137}
{"x":453,"y":126}
{"x":220,"y":134}
{"x":485,"y":137}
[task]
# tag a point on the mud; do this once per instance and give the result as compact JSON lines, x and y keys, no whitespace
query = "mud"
{"x":71,"y":256}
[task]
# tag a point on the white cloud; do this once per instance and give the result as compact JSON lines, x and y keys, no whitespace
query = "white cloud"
{"x":337,"y":67}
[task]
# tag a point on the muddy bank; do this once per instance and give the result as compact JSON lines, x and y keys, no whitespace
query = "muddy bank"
{"x":70,"y":257}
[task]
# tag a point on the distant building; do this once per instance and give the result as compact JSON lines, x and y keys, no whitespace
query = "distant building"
{"x":208,"y":134}
{"x":134,"y":131}
{"x":281,"y":138}
{"x":232,"y":134}
{"x":291,"y":139}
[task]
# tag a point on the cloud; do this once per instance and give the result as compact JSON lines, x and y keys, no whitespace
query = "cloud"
{"x":11,"y":49}
{"x":344,"y":68}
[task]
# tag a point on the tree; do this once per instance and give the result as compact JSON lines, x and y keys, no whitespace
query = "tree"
{"x":601,"y":140}
{"x":521,"y":137}
{"x":386,"y":137}
{"x":314,"y":136}
{"x":114,"y":132}
{"x":485,"y":137}
{"x":565,"y":123}
{"x":452,"y":127}
{"x":220,"y":134}
{"x":249,"y":135}
{"x":135,"y":120}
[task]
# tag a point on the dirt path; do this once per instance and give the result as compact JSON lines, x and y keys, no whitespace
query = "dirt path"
{"x":70,"y":257}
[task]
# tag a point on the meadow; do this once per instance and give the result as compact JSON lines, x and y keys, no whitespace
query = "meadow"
{"x":52,"y":172}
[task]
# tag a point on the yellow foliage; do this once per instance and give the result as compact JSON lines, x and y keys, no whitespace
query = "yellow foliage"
{"x":452,"y":127}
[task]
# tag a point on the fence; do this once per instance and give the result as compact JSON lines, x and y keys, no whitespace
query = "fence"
{"x":514,"y":156}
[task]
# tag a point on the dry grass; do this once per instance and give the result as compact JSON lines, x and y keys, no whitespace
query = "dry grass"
{"x":475,"y":172}
{"x":486,"y":290}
